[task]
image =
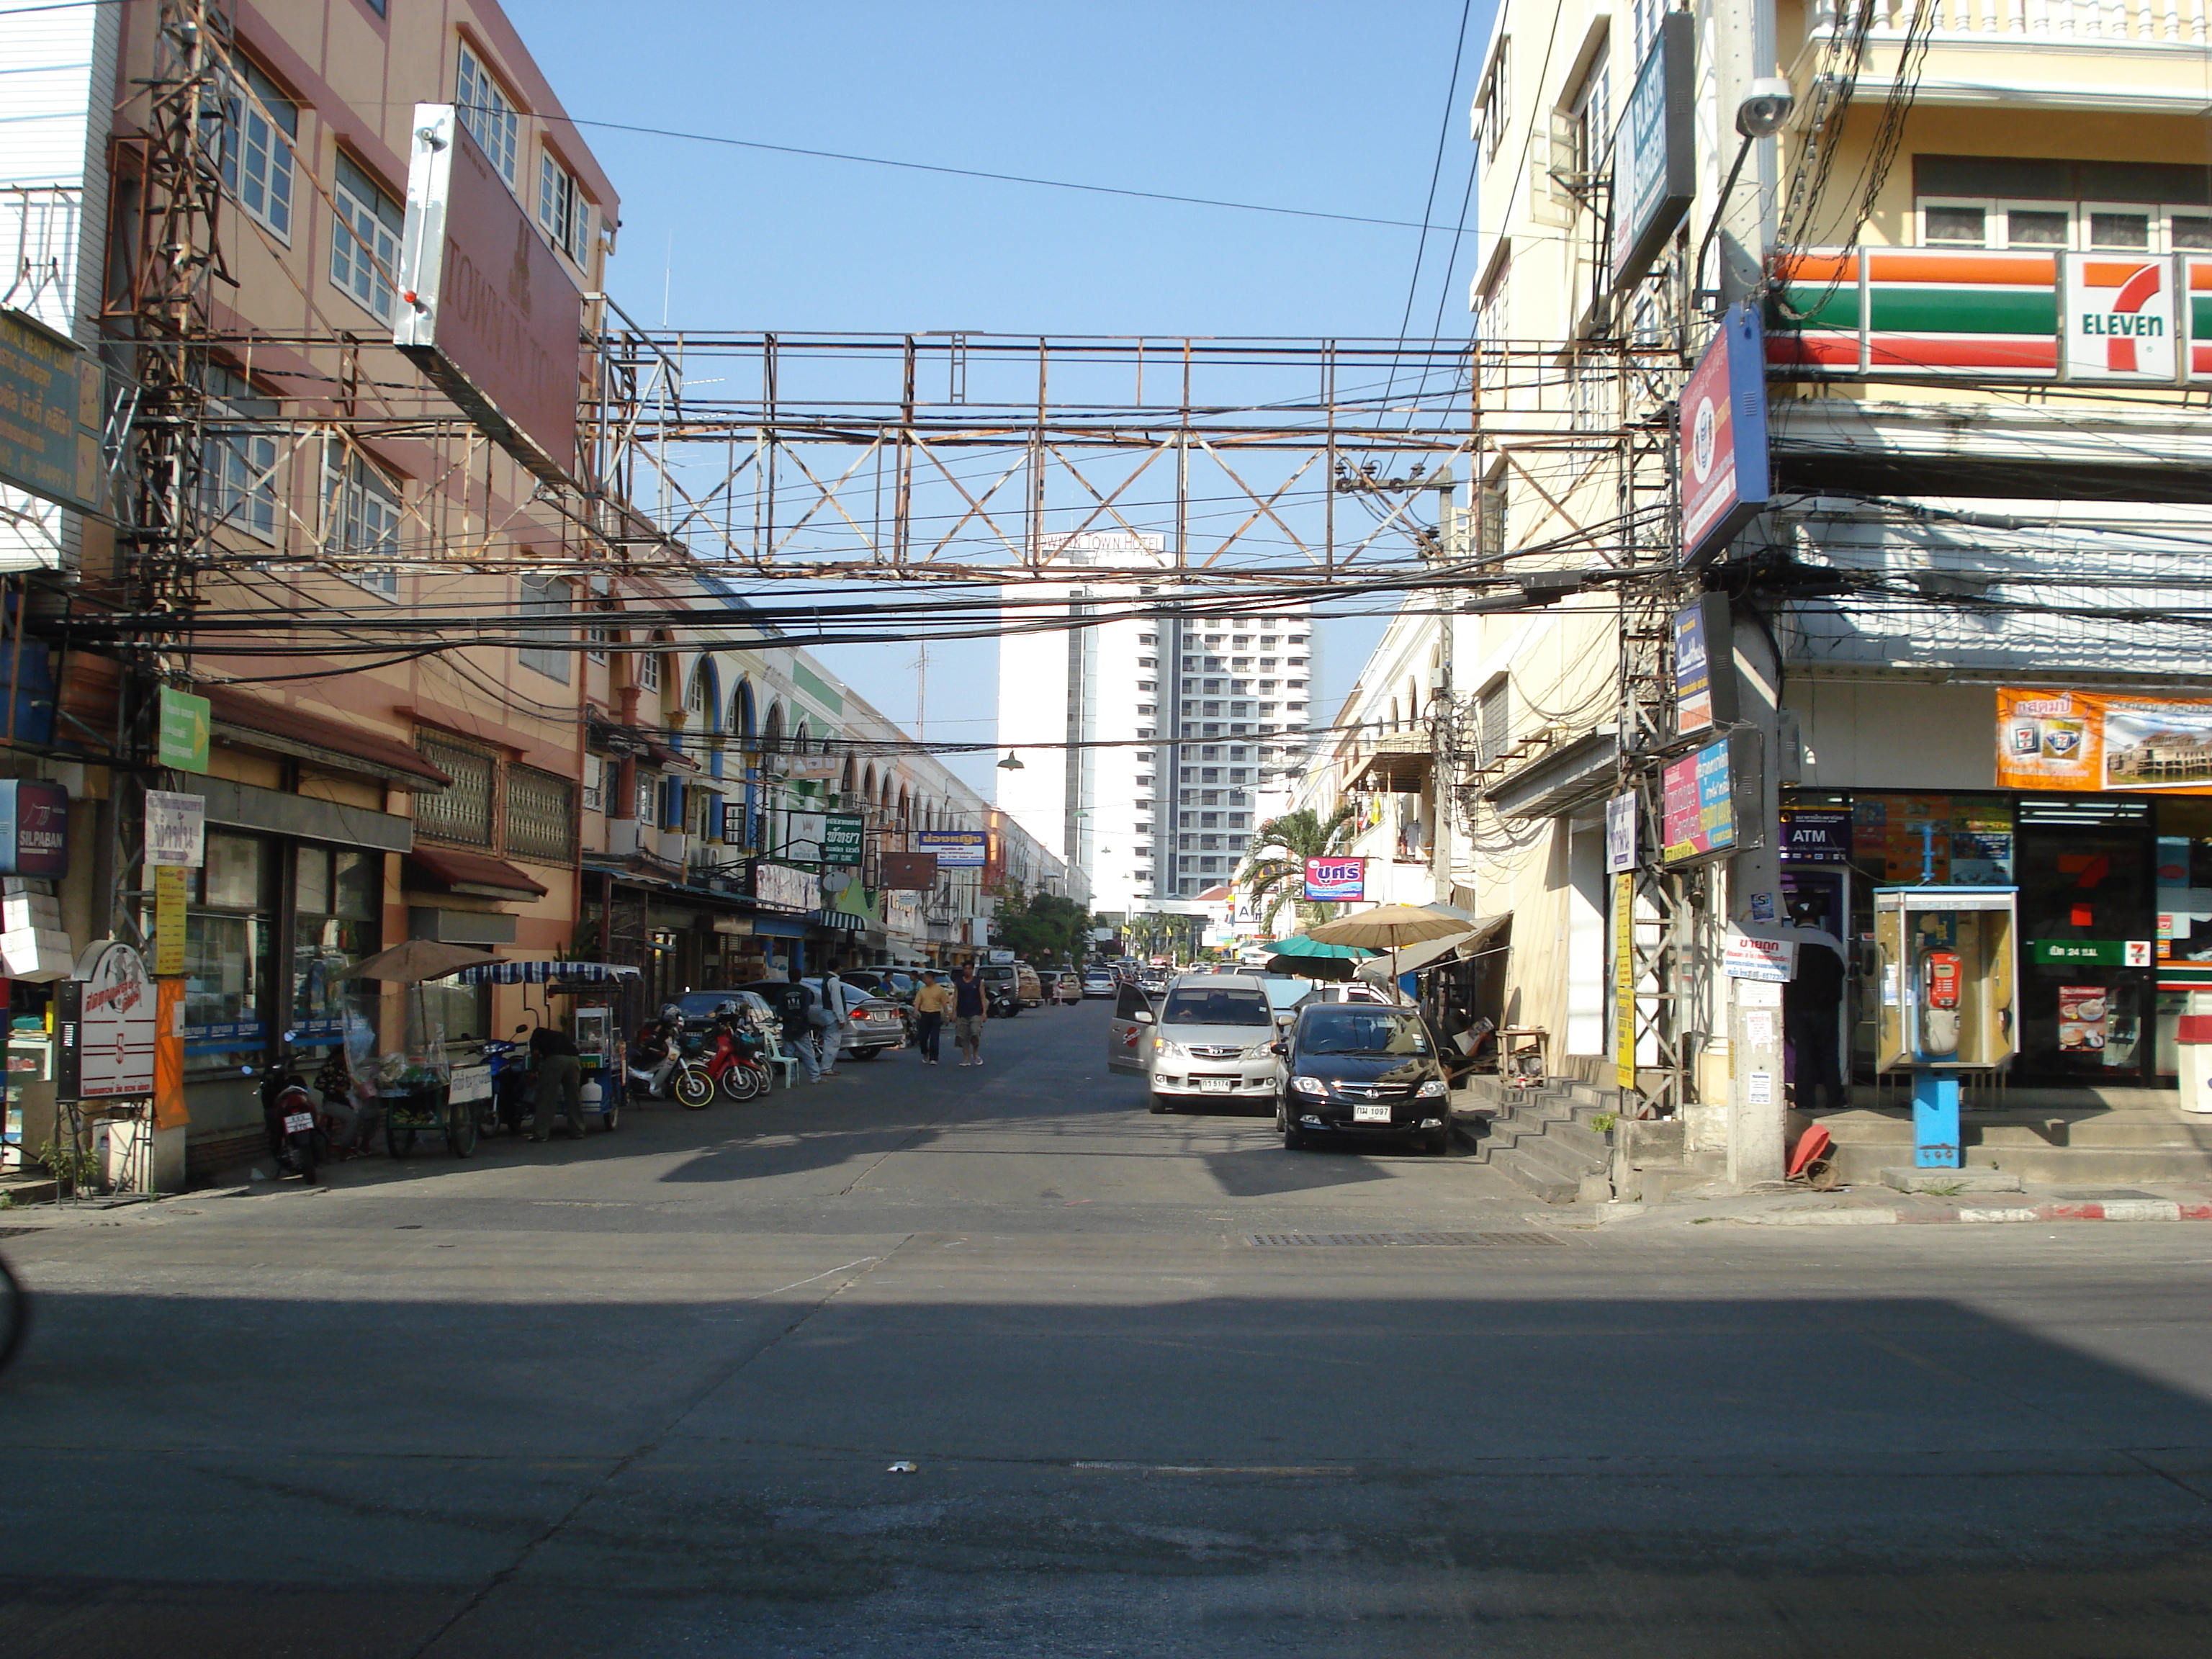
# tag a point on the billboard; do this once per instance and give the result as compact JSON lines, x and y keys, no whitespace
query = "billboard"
{"x":2096,"y":740}
{"x":1723,"y":436}
{"x":48,"y":415}
{"x":487,"y":310}
{"x":909,"y":872}
{"x":785,"y":887}
{"x":955,"y":849}
{"x":34,"y":828}
{"x":1654,"y":152}
{"x":1704,"y":793}
{"x":1336,"y":881}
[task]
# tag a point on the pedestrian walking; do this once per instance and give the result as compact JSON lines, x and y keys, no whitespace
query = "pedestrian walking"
{"x":932,"y":1003}
{"x":794,"y":1005}
{"x":968,"y":1014}
{"x":560,"y":1071}
{"x":837,"y":1024}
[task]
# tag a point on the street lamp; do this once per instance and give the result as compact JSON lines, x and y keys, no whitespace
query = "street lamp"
{"x":1011,"y":764}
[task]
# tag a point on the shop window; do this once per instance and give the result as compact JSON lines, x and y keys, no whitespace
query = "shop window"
{"x":462,"y":811}
{"x":226,"y":945}
{"x":336,"y":896}
{"x":541,"y":816}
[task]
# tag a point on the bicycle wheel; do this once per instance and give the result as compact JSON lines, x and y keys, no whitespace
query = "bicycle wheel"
{"x":14,"y":1314}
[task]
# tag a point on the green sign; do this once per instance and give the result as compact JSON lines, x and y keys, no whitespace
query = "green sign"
{"x":184,"y":739}
{"x":48,"y":415}
{"x":841,"y":838}
{"x":2091,"y":953}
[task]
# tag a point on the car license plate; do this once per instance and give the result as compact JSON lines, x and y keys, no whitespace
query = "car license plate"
{"x":298,"y":1123}
{"x":1370,"y":1112}
{"x":1214,"y":1086}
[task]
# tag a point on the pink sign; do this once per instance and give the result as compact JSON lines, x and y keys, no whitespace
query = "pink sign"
{"x":1336,"y":881}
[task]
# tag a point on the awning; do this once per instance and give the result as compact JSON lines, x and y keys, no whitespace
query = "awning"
{"x":667,"y":757}
{"x":1432,"y":952}
{"x":1399,"y":763}
{"x":473,"y":873}
{"x":544,"y":972}
{"x":290,"y":731}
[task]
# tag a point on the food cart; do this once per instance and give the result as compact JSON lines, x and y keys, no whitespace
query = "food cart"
{"x":599,"y":1020}
{"x":415,"y":1087}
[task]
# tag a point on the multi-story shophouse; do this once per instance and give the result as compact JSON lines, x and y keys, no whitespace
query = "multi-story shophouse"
{"x":1962,"y":504}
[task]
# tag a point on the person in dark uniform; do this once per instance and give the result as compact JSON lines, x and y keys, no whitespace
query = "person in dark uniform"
{"x":560,"y":1071}
{"x":1812,"y":1012}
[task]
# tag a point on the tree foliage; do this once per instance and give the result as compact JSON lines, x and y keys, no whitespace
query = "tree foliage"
{"x":1041,"y":926}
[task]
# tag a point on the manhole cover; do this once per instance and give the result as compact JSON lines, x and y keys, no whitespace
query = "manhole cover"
{"x":1463,"y":1241}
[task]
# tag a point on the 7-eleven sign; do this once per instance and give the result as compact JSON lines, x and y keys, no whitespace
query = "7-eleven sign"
{"x":2120,"y":322}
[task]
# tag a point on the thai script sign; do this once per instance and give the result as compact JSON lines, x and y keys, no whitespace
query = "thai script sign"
{"x":955,"y":849}
{"x":1336,"y":881}
{"x":2091,"y":740}
{"x":48,"y":415}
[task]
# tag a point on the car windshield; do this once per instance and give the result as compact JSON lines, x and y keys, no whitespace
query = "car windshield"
{"x":1284,"y":995}
{"x":1344,"y":1030}
{"x":704,"y":1005}
{"x":1216,"y":1005}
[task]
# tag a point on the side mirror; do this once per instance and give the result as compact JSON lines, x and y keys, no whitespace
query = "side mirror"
{"x":1280,"y":1045}
{"x":521,"y":1031}
{"x":1143,"y":1017}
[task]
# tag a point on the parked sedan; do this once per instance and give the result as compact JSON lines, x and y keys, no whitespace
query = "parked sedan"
{"x":874,"y":1024}
{"x":1356,"y":1071}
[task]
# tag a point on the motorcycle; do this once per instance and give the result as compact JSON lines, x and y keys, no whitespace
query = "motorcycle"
{"x":288,"y":1116}
{"x":1004,"y":1003}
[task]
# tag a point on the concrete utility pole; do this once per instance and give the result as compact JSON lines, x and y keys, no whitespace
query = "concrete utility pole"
{"x":1756,"y":1113}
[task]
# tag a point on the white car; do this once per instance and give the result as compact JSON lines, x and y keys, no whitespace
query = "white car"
{"x":1212,"y":1038}
{"x":873,"y":1024}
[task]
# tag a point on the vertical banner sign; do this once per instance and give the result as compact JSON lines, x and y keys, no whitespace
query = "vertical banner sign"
{"x":2120,"y":318}
{"x":1624,"y":980}
{"x":1724,"y":436}
{"x":169,"y":1111}
{"x":1704,"y":688}
{"x":183,"y":739}
{"x":34,"y":828}
{"x":1654,"y":152}
{"x":169,"y":883}
{"x":1620,"y":834}
{"x":1336,"y":881}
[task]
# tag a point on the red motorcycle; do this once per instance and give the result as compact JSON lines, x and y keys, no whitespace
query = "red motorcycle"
{"x":736,"y":1067}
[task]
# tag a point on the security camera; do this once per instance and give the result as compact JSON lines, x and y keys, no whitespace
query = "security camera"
{"x":1766,"y":105}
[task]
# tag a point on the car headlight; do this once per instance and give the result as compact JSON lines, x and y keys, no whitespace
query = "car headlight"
{"x":1171,"y":1050}
{"x":1434,"y":1089}
{"x":1260,"y":1051}
{"x":1309,"y":1085}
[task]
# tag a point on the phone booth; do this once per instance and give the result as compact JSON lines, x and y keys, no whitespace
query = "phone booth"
{"x":1948,"y":967}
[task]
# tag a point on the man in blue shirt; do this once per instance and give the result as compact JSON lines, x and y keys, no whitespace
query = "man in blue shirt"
{"x":968,"y":1014}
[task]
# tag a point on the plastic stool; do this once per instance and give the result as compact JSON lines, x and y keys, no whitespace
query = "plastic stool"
{"x":787,"y":1068}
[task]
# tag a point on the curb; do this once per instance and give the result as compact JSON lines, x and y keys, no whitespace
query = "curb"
{"x":2131,"y":1209}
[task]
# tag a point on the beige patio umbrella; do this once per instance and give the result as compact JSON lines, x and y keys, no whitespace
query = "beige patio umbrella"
{"x":412,"y":961}
{"x":1390,"y":928}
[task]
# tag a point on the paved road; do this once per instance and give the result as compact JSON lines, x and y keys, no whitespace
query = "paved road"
{"x":645,"y":1396}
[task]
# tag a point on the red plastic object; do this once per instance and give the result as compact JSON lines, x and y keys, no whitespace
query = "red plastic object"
{"x":1812,"y":1144}
{"x":2193,"y":1028}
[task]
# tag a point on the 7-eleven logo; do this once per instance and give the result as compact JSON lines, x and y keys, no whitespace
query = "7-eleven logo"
{"x":2120,"y":318}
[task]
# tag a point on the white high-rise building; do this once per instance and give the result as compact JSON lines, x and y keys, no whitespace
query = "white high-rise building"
{"x":1178,"y":730}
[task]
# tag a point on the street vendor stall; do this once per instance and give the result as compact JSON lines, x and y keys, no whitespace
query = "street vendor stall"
{"x":416,"y":1085}
{"x":600,"y":1020}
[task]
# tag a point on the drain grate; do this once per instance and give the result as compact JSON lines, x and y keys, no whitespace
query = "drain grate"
{"x":1464,"y":1241}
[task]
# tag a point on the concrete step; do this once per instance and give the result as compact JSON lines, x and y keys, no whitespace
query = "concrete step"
{"x":1974,"y":1178}
{"x":1547,"y":1184}
{"x":2127,"y":1129}
{"x":2042,"y":1166}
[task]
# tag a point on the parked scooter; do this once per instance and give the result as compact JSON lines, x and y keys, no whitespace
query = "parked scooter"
{"x":1004,"y":1003}
{"x":288,"y":1116}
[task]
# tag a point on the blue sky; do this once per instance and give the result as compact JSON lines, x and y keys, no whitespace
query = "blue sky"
{"x":1332,"y":107}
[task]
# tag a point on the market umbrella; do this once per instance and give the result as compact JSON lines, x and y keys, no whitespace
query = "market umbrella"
{"x":1334,"y":970}
{"x":412,"y":961}
{"x":1390,"y":928}
{"x":1301,"y":945}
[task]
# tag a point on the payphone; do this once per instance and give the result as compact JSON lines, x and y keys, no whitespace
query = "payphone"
{"x":1946,"y":958}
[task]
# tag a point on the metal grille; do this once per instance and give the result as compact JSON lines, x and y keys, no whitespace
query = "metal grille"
{"x":541,"y":816}
{"x":1465,"y":1240}
{"x":461,"y":812}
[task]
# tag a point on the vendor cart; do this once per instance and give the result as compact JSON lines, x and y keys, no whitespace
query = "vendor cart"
{"x":600,"y":1020}
{"x":416,"y":1090}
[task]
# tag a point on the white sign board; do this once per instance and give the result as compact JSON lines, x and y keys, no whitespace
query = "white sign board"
{"x":176,"y":829}
{"x":2121,"y":318}
{"x":115,"y":1024}
{"x":1759,"y":958}
{"x":1620,"y":835}
{"x":788,"y":888}
{"x":803,"y":834}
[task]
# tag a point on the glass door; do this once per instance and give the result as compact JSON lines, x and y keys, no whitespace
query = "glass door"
{"x":2088,"y":924}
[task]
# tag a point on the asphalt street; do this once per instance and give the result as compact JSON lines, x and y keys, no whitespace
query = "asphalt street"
{"x":934,"y":1361}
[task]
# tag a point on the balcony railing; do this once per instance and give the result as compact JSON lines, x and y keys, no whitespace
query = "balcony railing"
{"x":1988,"y":314}
{"x":2148,"y":22}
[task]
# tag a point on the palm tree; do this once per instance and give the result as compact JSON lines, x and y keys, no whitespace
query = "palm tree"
{"x":1275,"y":864}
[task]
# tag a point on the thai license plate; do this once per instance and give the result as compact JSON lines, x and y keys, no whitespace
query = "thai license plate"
{"x":1372,"y":1112}
{"x":298,"y":1123}
{"x":1214,"y":1086}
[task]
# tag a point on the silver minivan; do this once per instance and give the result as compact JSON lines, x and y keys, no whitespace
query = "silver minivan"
{"x":1212,"y":1038}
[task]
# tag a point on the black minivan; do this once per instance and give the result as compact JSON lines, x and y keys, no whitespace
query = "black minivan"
{"x":1356,"y":1071}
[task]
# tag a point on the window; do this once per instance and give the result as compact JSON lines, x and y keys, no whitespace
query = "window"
{"x":226,"y":955}
{"x":541,"y":816}
{"x":648,"y":670}
{"x":365,"y":242}
{"x":337,"y":898}
{"x":238,"y":473}
{"x":546,"y":596}
{"x":1494,"y":718}
{"x":361,"y":524}
{"x":1590,"y":115}
{"x":2028,"y":202}
{"x":696,"y":702}
{"x":563,"y":213}
{"x":257,"y":158}
{"x":462,"y":811}
{"x":1492,"y":104}
{"x":489,"y":114}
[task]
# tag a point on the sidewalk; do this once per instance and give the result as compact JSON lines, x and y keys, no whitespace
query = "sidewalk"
{"x":1876,"y":1205}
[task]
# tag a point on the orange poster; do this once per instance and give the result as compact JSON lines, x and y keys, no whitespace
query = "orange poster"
{"x":169,"y":1111}
{"x":2099,"y":740}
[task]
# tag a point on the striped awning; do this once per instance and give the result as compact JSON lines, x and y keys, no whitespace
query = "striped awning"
{"x":542,"y":972}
